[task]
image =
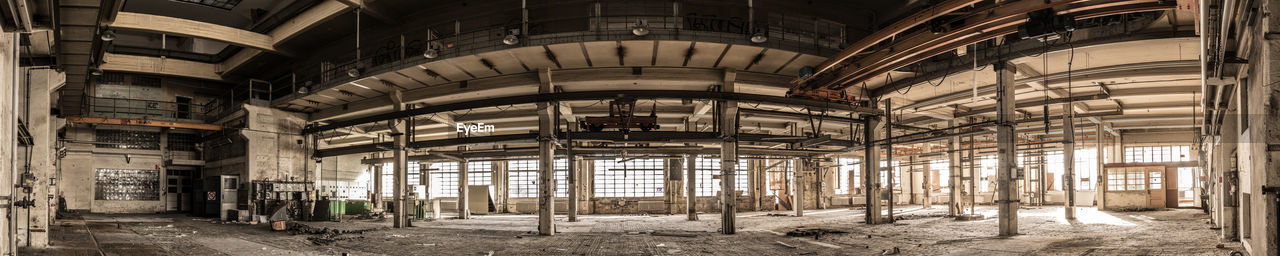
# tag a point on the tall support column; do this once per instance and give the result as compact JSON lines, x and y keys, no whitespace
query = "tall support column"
{"x":728,"y":155}
{"x":871,"y":171}
{"x":1097,"y":181}
{"x":953,"y":168}
{"x":691,"y":178}
{"x":376,"y":196}
{"x":400,"y":164}
{"x":1042,"y":176}
{"x":926,"y":184}
{"x":574,"y":186}
{"x":691,"y":186}
{"x":1007,"y":173}
{"x":464,"y":194}
{"x":1229,"y":187}
{"x":1265,"y":204}
{"x":797,"y":185}
{"x":973,"y":174}
{"x":888,"y":154}
{"x":40,"y":86}
{"x":1068,"y":160}
{"x":546,"y":160}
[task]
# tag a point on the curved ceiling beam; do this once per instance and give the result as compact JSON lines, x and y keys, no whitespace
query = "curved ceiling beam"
{"x":889,"y":32}
{"x":933,"y":72}
{"x":159,"y":66}
{"x":593,"y":95}
{"x":992,"y":23}
{"x":197,"y":29}
{"x":306,"y":20}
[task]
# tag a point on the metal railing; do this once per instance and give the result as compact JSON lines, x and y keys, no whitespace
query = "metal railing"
{"x":151,"y":109}
{"x":480,"y":34}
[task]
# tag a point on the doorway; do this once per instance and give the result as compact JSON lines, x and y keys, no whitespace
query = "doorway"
{"x":184,"y":107}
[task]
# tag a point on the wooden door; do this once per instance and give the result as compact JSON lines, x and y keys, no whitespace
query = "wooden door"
{"x":1155,"y":187}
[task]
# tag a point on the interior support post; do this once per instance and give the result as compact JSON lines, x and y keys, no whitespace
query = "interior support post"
{"x":1007,"y":171}
{"x":871,"y":171}
{"x":546,"y":160}
{"x":691,"y":179}
{"x":728,"y":155}
{"x":888,"y":154}
{"x":1068,"y":160}
{"x":400,"y":164}
{"x":953,"y":162}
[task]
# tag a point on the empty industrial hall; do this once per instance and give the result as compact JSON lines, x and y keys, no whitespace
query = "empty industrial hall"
{"x":639,"y":127}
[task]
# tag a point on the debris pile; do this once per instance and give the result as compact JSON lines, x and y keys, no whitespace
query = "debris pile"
{"x":326,"y":235}
{"x":816,"y":233}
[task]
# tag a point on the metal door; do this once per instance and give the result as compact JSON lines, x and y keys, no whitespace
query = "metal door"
{"x":230,"y":183}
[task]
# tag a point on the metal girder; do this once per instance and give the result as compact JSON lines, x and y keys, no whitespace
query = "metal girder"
{"x":889,"y":32}
{"x":593,"y":95}
{"x":653,"y":136}
{"x":1034,"y":103}
{"x":978,"y":26}
{"x":140,"y":122}
{"x":983,"y":25}
{"x":1118,"y":71}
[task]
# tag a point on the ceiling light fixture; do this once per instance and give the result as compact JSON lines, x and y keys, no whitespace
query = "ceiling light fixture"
{"x":511,"y":38}
{"x":759,"y":38}
{"x":641,"y":28}
{"x":433,"y":50}
{"x":303,"y":90}
{"x":353,"y":73}
{"x":95,"y":71}
{"x":108,"y":35}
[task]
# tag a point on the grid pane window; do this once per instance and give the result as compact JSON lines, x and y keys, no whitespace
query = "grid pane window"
{"x":942,"y":173}
{"x":1156,"y":181}
{"x":388,"y":178}
{"x":522,"y":178}
{"x":849,"y":168}
{"x":1115,"y":180}
{"x":444,"y":179}
{"x":707,"y":171}
{"x":897,"y":175}
{"x":1151,"y":154}
{"x":1136,"y":180}
{"x":987,"y":170}
{"x":778,"y":172}
{"x":633,"y":178}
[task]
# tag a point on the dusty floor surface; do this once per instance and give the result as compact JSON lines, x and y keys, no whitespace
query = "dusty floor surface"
{"x":918,"y":232}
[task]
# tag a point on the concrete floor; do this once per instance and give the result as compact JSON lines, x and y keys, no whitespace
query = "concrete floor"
{"x":918,"y":232}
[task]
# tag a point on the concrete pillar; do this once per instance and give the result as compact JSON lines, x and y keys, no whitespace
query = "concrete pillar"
{"x":546,"y":161}
{"x":1266,"y":204}
{"x":400,"y":164}
{"x":728,"y":155}
{"x":1042,"y":172}
{"x":376,"y":197}
{"x":691,"y":186}
{"x":464,"y":194}
{"x":953,"y":162}
{"x":575,"y":186}
{"x":797,"y":185}
{"x":39,"y":123}
{"x":1098,"y":181}
{"x":888,"y":154}
{"x":871,"y":171}
{"x":8,"y":133}
{"x":926,"y":184}
{"x":1007,"y":172}
{"x":1230,"y":188}
{"x":973,"y":173}
{"x":1068,"y":161}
